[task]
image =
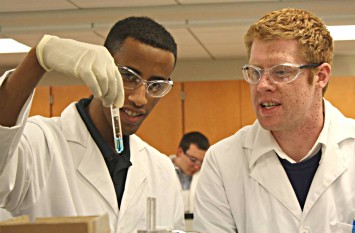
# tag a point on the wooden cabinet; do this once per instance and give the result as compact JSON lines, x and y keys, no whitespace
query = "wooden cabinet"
{"x":41,"y":102}
{"x":163,"y":128}
{"x":62,"y":96}
{"x":247,"y":112}
{"x":213,"y":108}
{"x":216,"y":108}
{"x":341,"y":93}
{"x":51,"y":101}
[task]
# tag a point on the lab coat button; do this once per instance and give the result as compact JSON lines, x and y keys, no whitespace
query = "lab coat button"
{"x":305,"y":231}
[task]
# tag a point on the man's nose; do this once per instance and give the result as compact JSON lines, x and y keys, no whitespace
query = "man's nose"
{"x":265,"y":82}
{"x":138,"y":95}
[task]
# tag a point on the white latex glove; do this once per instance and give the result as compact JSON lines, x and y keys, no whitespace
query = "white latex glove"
{"x":92,"y":63}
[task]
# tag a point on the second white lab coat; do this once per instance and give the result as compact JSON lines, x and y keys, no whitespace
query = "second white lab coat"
{"x":52,"y":167}
{"x":188,"y":195}
{"x":193,"y":191}
{"x":4,"y":214}
{"x":244,"y":188}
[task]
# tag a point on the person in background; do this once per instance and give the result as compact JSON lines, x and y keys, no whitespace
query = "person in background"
{"x":292,"y":170}
{"x":68,"y":165}
{"x":188,"y":161}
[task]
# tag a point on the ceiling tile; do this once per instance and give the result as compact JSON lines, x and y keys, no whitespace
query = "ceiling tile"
{"x":183,"y":36}
{"x":115,"y":3}
{"x":223,"y":34}
{"x":222,"y":42}
{"x":188,"y":46}
{"x":188,"y":52}
{"x":227,"y":51}
{"x":32,"y":39}
{"x":103,"y":32}
{"x":34,"y":5}
{"x":85,"y":36}
{"x":221,"y":1}
{"x":203,"y":29}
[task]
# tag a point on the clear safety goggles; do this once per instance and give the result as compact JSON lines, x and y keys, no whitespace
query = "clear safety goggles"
{"x":154,"y":88}
{"x":283,"y":73}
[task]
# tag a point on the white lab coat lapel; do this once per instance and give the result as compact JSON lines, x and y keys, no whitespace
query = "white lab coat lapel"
{"x":332,"y":165}
{"x":135,"y":193}
{"x":92,"y":165}
{"x":271,"y":175}
{"x":93,"y":168}
{"x":267,"y":170}
{"x":334,"y":162}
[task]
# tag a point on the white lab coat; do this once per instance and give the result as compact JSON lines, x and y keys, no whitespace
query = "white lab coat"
{"x":54,"y":168}
{"x":193,"y":191}
{"x":4,"y":214}
{"x":244,"y":188}
{"x":188,"y":195}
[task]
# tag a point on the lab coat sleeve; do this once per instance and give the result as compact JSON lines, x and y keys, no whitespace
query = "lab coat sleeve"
{"x":10,"y":136}
{"x":15,"y":159}
{"x":25,"y":109}
{"x":212,"y":211}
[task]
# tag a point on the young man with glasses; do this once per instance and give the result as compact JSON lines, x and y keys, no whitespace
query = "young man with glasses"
{"x":67,"y":165}
{"x":188,"y":160}
{"x":292,"y":170}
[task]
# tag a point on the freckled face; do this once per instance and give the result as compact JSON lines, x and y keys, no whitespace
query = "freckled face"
{"x":151,"y":64}
{"x":289,"y":105}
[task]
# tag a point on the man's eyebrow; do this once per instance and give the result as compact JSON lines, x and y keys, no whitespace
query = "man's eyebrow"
{"x":152,"y":78}
{"x":157,"y":78}
{"x":135,"y":70}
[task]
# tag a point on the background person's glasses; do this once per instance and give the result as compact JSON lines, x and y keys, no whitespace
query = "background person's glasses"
{"x":283,"y":73}
{"x":154,"y":88}
{"x":193,"y":159}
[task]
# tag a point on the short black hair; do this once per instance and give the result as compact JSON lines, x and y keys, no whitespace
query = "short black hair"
{"x":196,"y":138}
{"x":143,"y":29}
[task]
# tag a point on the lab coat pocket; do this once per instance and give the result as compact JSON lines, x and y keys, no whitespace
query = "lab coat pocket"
{"x":344,"y":228}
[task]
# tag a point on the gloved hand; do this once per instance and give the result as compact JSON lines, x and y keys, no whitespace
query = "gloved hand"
{"x":92,"y":63}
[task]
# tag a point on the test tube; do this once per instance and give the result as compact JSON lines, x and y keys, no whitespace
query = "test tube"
{"x":117,"y":130}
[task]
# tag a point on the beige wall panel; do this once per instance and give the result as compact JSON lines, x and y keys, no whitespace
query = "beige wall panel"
{"x":341,"y":93}
{"x":40,"y":104}
{"x":213,"y":108}
{"x":64,"y":95}
{"x":163,"y":127}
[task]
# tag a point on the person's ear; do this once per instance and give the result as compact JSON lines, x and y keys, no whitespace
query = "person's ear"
{"x":179,"y":152}
{"x":323,"y":75}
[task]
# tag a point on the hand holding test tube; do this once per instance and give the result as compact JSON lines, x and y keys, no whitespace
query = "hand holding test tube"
{"x":117,"y":130}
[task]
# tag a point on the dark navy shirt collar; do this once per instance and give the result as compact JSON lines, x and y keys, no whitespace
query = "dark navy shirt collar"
{"x":99,"y":140}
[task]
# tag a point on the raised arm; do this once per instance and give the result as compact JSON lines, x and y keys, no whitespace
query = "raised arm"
{"x":92,"y":63}
{"x":16,"y":89}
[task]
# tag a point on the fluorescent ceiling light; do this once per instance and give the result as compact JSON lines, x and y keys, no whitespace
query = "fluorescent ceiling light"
{"x":12,"y":46}
{"x":342,"y":32}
